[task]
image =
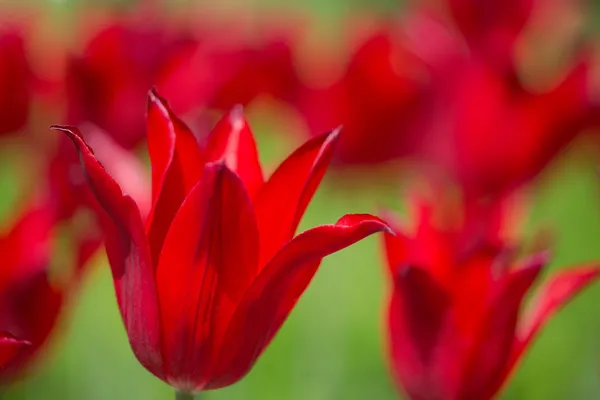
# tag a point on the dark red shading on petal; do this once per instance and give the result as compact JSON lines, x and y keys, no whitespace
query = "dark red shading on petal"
{"x":10,"y":348}
{"x":129,"y":257}
{"x":16,"y":81}
{"x":209,"y":259}
{"x":483,"y":373}
{"x":232,"y":141}
{"x":273,"y":295}
{"x":491,"y":27}
{"x":416,"y":316}
{"x":281,"y":202}
{"x":177,"y":164}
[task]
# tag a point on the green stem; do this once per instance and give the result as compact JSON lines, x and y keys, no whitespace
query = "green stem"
{"x":183,"y":396}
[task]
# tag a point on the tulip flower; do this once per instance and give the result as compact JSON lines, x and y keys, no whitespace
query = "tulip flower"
{"x":107,"y":84}
{"x":497,"y":135}
{"x":377,"y":100}
{"x":206,"y":282}
{"x":456,"y":325}
{"x":219,"y":71}
{"x":31,"y":300}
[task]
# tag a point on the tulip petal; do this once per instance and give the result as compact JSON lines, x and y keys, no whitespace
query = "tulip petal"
{"x":10,"y":348}
{"x":122,"y":165}
{"x":209,"y":259}
{"x":417,"y":312}
{"x":232,"y":141}
{"x":26,"y":248}
{"x":491,"y":351}
{"x":282,"y":200}
{"x":177,"y":164}
{"x":554,"y":295}
{"x":493,"y":23}
{"x":278,"y":287}
{"x":128,"y":255}
{"x":395,"y":245}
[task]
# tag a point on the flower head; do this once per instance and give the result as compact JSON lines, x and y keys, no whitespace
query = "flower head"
{"x":206,"y":282}
{"x":456,"y":325}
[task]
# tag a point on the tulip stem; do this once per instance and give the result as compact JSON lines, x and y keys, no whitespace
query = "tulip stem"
{"x":183,"y":395}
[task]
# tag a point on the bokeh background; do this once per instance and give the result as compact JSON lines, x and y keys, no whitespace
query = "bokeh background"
{"x":333,"y":345}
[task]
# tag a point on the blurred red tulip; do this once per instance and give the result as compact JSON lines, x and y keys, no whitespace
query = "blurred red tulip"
{"x":216,"y":270}
{"x":376,"y":100}
{"x":491,"y":135}
{"x":30,"y":301}
{"x":220,"y":71}
{"x":456,"y":329}
{"x":108,"y":83}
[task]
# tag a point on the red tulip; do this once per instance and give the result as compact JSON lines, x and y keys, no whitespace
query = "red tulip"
{"x":376,"y":100}
{"x":209,"y":279}
{"x":456,"y":328}
{"x":30,"y":301}
{"x":220,"y":71}
{"x":108,"y":83}
{"x":492,"y":135}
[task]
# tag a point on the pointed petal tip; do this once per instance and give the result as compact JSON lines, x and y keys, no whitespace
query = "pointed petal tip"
{"x":374,"y":223}
{"x":155,"y":98}
{"x":236,"y":117}
{"x":335,"y":134}
{"x":237,"y":111}
{"x":74,"y":134}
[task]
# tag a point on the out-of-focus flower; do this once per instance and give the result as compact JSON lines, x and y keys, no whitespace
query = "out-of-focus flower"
{"x":107,"y":84}
{"x":219,"y":71}
{"x":30,"y":300}
{"x":413,"y":91}
{"x":456,"y":330}
{"x":490,"y":134}
{"x":377,"y":101}
{"x":206,"y":284}
{"x":16,"y":80}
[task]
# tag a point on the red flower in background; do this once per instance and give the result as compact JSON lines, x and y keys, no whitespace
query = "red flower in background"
{"x":376,"y":100}
{"x":219,"y":71}
{"x":491,"y":134}
{"x":107,"y":84}
{"x":456,"y":328}
{"x":413,"y":91}
{"x":206,"y":284}
{"x":15,"y":80}
{"x":31,"y":298}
